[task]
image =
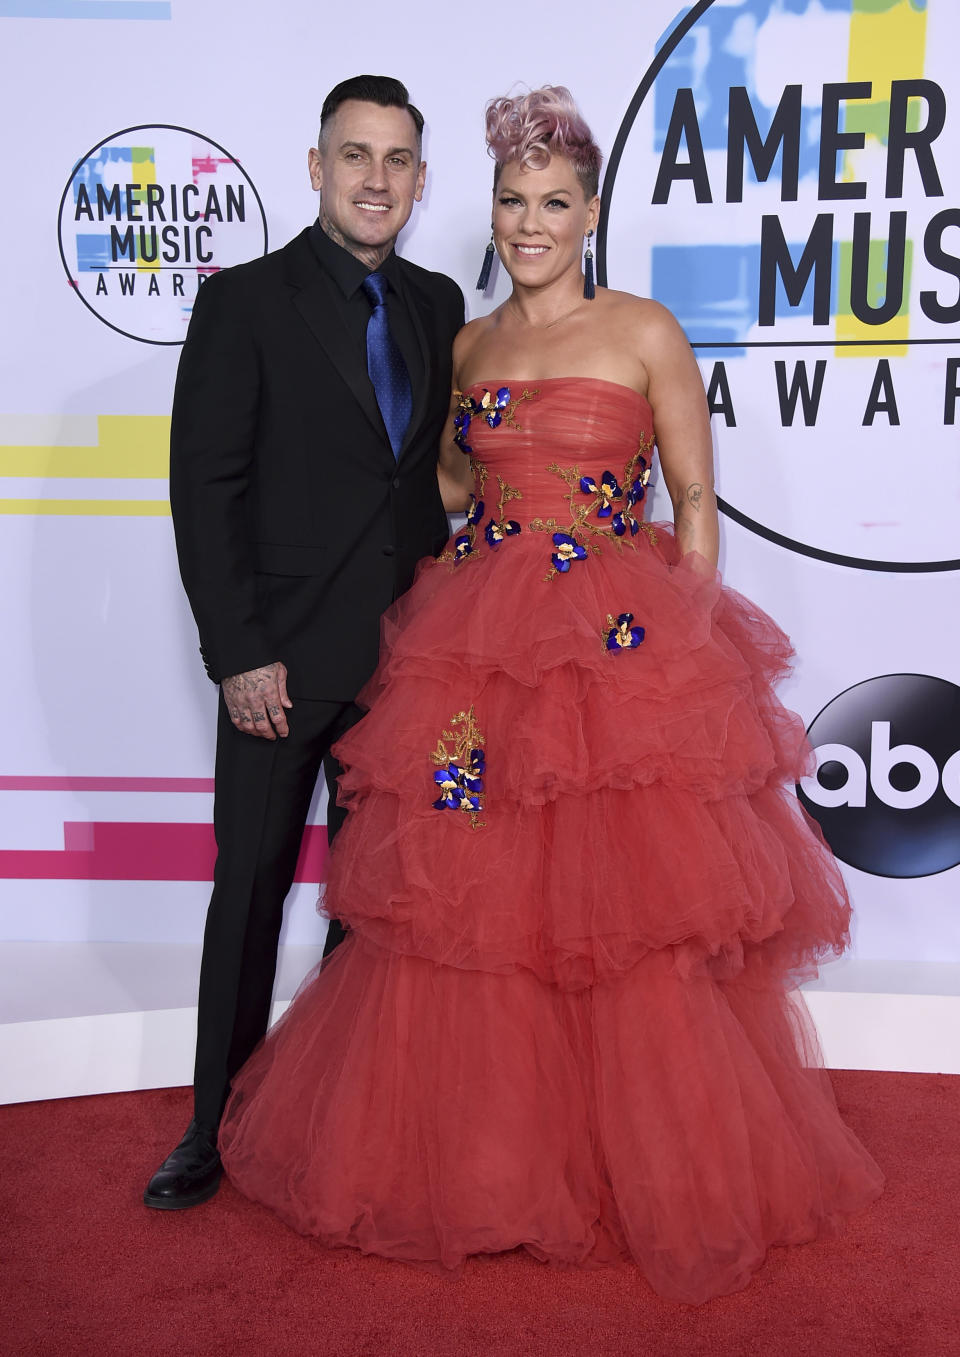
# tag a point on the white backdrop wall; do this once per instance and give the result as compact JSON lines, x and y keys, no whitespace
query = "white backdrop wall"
{"x":107,"y":732}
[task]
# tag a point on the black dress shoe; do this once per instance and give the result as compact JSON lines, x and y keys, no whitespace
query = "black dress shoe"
{"x":188,"y":1176}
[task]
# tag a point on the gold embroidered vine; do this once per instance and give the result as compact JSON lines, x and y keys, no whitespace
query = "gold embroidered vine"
{"x":461,"y":765}
{"x":601,"y":497}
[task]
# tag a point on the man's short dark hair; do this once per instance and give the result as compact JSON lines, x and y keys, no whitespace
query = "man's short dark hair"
{"x":371,"y":89}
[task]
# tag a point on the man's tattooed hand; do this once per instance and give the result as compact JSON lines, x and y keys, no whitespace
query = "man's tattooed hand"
{"x":255,"y":695}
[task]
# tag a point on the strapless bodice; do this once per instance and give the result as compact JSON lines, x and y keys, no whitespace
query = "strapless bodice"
{"x":565,"y":455}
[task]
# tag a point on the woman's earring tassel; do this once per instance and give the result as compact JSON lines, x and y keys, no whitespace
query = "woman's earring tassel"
{"x":589,"y":289}
{"x":484,"y":278}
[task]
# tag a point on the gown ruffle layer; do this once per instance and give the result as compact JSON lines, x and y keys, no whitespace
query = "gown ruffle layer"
{"x":565,"y":1017}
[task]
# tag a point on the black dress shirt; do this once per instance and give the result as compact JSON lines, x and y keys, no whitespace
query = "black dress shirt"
{"x":349,"y":273}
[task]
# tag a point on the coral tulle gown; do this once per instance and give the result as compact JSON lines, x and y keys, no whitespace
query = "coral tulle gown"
{"x":580,"y":894}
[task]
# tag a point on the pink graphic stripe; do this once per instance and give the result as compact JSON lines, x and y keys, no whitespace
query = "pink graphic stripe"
{"x":106,"y":784}
{"x":113,"y":851}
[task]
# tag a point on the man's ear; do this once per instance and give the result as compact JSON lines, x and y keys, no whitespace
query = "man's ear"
{"x":315,"y":167}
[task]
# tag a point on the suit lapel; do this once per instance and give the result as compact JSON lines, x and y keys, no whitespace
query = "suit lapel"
{"x":319,"y":301}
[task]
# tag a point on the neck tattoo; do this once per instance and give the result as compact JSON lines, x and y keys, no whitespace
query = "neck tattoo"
{"x":370,"y":255}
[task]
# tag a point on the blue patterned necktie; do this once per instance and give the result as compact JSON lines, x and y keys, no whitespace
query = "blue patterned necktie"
{"x":388,"y":371}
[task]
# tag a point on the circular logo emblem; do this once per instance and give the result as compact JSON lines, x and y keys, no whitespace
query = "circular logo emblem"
{"x":887,"y":787}
{"x":146,"y":217}
{"x":785,"y":180}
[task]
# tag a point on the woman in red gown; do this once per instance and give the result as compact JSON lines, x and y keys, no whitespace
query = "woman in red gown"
{"x":580,"y":892}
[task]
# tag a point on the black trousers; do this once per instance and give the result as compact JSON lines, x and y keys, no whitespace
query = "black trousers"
{"x":262,"y":796}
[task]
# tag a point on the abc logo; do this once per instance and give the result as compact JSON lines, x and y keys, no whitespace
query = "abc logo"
{"x":886,"y":792}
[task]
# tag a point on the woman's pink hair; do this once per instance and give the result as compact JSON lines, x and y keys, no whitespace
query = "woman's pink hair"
{"x":540,"y":124}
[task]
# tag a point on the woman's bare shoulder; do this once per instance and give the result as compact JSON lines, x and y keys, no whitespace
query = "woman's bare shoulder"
{"x":635,"y":310}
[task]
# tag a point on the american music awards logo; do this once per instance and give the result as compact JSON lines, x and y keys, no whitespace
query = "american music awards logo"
{"x":887,"y":787}
{"x":787,"y":181}
{"x":146,"y":216}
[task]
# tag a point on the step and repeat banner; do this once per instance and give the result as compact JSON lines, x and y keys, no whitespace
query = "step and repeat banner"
{"x":783,"y":174}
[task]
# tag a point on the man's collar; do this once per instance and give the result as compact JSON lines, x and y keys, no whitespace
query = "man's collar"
{"x":346,"y":270}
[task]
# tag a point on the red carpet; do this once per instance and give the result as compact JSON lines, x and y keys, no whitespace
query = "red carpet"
{"x":88,"y":1270}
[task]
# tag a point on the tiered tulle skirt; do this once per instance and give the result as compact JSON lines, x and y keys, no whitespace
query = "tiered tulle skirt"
{"x":567,"y":1021}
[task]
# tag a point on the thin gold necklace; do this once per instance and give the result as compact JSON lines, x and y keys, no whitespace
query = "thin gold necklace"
{"x":550,"y":324}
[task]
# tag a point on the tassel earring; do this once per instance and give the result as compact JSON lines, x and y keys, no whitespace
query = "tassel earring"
{"x":589,"y":288}
{"x":484,"y":278}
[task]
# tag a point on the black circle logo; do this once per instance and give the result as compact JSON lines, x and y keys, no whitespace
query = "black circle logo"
{"x":146,"y":216}
{"x":886,"y":791}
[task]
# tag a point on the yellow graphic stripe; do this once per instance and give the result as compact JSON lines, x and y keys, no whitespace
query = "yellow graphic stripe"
{"x":122,"y":508}
{"x":128,"y":447}
{"x":144,"y":172}
{"x":887,"y":42}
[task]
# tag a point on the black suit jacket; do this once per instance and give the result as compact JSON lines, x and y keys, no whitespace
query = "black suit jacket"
{"x":295,"y":525}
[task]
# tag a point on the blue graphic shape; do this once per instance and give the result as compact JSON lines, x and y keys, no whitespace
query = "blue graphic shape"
{"x":93,"y":253}
{"x":711,"y":289}
{"x":714,"y":290}
{"x":87,"y":9}
{"x":717,"y":54}
{"x":90,"y":172}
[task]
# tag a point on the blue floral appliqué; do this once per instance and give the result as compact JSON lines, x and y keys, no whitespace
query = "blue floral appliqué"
{"x":584,"y":532}
{"x":496,"y":409}
{"x":621,"y":634}
{"x":638,"y":489}
{"x":622,"y":523}
{"x":495,"y":532}
{"x":462,"y":547}
{"x":461,"y":427}
{"x":488,"y":407}
{"x":568,"y":550}
{"x":497,"y":527}
{"x":462,"y":764}
{"x":605,"y":493}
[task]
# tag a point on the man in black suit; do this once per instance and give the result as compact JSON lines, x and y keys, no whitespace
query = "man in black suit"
{"x":310,"y":399}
